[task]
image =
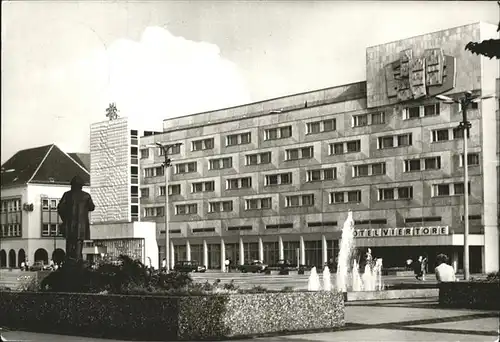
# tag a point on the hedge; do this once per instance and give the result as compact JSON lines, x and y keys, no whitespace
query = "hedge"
{"x":171,"y":318}
{"x":477,"y":295}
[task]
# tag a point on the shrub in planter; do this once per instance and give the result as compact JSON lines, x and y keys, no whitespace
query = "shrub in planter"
{"x":284,"y":272}
{"x":475,"y":294}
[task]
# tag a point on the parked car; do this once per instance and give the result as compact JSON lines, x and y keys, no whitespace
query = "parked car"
{"x":39,"y":266}
{"x":189,"y":266}
{"x":255,"y":266}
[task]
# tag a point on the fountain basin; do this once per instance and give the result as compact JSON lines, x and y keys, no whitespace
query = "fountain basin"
{"x":391,"y":294}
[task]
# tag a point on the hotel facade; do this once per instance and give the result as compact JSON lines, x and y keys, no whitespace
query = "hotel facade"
{"x":275,"y":179}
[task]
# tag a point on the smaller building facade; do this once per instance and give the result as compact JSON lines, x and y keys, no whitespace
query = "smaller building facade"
{"x":32,"y":183}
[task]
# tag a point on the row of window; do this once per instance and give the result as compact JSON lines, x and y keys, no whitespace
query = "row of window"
{"x":308,"y":200}
{"x":10,"y":205}
{"x":51,"y":229}
{"x":326,"y":174}
{"x":11,"y":230}
{"x":314,"y":127}
{"x":307,"y":152}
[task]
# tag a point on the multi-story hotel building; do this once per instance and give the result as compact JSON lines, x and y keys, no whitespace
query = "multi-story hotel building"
{"x":275,"y":178}
{"x":114,"y":186}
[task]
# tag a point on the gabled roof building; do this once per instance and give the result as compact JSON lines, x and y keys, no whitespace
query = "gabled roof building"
{"x":32,"y":182}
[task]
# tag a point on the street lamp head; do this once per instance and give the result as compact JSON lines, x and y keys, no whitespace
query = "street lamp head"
{"x":445,"y":99}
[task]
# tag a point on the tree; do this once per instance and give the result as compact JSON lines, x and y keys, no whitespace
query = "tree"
{"x":489,"y":48}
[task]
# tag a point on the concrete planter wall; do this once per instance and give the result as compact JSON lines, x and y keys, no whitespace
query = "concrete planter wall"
{"x":470,"y":295}
{"x":171,"y":318}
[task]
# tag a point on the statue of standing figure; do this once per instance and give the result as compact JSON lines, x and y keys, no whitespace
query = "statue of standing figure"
{"x":74,"y":208}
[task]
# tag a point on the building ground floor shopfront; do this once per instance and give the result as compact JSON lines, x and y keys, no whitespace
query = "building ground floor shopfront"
{"x":317,"y":249}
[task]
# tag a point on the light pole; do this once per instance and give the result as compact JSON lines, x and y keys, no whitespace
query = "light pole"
{"x":166,"y":164}
{"x":465,"y":126}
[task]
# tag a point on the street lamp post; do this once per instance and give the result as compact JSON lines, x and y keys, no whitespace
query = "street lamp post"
{"x":465,"y":126}
{"x":166,"y":164}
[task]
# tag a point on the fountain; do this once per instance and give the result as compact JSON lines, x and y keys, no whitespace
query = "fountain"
{"x":371,"y":279}
{"x":313,"y":282}
{"x":327,"y":281}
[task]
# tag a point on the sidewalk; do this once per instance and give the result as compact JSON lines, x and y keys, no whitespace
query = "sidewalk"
{"x":388,"y":320}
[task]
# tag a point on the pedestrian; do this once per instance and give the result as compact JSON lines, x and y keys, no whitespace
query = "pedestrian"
{"x":23,"y":265}
{"x":226,"y":265}
{"x":444,"y":272}
{"x":417,"y":268}
{"x":164,"y":265}
{"x":423,"y":267}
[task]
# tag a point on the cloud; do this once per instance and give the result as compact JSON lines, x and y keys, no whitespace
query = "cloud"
{"x":163,"y":76}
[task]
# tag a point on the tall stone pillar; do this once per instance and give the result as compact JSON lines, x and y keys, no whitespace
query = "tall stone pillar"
{"x":261,"y":251}
{"x":324,"y":249}
{"x":302,"y":251}
{"x":280,"y":248}
{"x":188,"y":251}
{"x":242,"y":252}
{"x":222,"y":255}
{"x":205,"y":254}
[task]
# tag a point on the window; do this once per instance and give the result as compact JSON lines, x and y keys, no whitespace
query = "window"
{"x":145,"y":153}
{"x":223,"y":206}
{"x":431,"y":109}
{"x":345,"y":147}
{"x":353,"y":196}
{"x":404,"y":139}
{"x":175,"y":149}
{"x":360,"y":120}
{"x":185,"y":167}
{"x":278,"y":133}
{"x":144,"y":192}
{"x":153,"y":172}
{"x":405,"y":192}
{"x":300,"y":153}
{"x":433,"y":163}
{"x":203,"y":186}
{"x":300,"y":200}
{"x":186,"y":209}
{"x":221,"y":163}
{"x":258,"y":158}
{"x":279,"y":179}
{"x":472,"y":159}
{"x":154,"y":211}
{"x":412,"y":165}
{"x":459,"y":188}
{"x":368,"y":170}
{"x":321,"y":174}
{"x":279,"y":226}
{"x":412,"y":112}
{"x":239,"y":183}
{"x":258,"y":203}
{"x":474,"y":105}
{"x":441,"y":189}
{"x":314,"y":127}
{"x":174,"y":189}
{"x":203,"y":230}
{"x":329,"y":125}
{"x":386,"y":142}
{"x":378,"y":118}
{"x":440,"y":135}
{"x":423,"y":219}
{"x":204,"y":144}
{"x":239,"y":228}
{"x":45,"y":204}
{"x":385,"y":194}
{"x":161,"y":191}
{"x":353,"y":146}
{"x":458,"y":133}
{"x":321,"y":126}
{"x":238,"y":139}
